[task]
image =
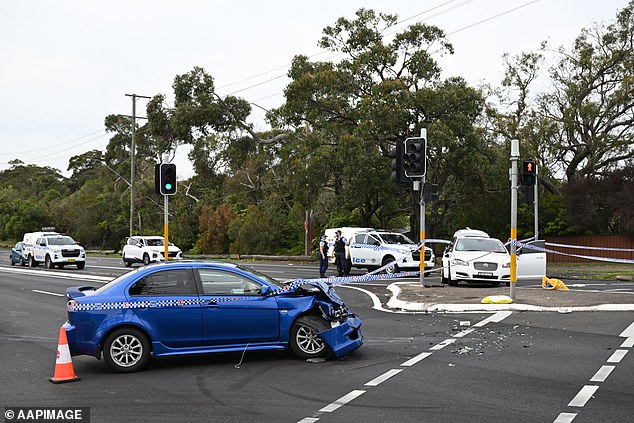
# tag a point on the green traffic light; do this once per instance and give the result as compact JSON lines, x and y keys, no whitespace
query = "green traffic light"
{"x":168,"y":186}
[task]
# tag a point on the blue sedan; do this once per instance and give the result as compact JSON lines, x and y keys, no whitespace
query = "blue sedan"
{"x":193,"y":307}
{"x":16,"y":255}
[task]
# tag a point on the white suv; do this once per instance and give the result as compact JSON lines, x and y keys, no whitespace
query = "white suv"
{"x":148,"y":249}
{"x":473,"y":256}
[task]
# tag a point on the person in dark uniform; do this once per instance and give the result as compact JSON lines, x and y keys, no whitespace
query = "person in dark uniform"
{"x":340,"y":254}
{"x":323,"y":256}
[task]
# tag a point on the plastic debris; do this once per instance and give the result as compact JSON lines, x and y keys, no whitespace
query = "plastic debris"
{"x":551,"y":283}
{"x":497,"y":299}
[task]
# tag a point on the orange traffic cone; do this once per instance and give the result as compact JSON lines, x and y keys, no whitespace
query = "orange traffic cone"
{"x":63,"y":364}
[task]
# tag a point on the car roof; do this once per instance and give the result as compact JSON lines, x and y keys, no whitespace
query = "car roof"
{"x":470,"y":233}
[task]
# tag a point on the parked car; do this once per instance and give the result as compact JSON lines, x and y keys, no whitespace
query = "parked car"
{"x":473,"y":256}
{"x":16,"y":255}
{"x":194,"y":307}
{"x":148,"y":249}
{"x":373,"y":248}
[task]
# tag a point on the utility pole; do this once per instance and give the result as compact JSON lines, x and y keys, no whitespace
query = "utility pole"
{"x":536,"y":205}
{"x":133,"y":160}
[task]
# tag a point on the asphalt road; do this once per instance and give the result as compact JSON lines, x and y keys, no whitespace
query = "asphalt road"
{"x":479,"y":367}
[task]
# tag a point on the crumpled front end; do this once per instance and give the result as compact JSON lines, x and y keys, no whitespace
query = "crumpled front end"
{"x":344,"y":338}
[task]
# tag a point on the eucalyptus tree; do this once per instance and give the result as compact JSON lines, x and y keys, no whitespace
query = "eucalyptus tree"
{"x":386,"y":86}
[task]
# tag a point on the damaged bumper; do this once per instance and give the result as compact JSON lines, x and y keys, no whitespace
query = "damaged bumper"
{"x":345,"y":338}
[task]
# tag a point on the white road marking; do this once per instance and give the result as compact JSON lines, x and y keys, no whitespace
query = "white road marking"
{"x":308,"y":420}
{"x":64,"y":275}
{"x":583,"y":396}
{"x":628,"y":343}
{"x":342,"y":401}
{"x":48,"y":293}
{"x":385,"y":376}
{"x":602,"y":374}
{"x":443,"y":344}
{"x":565,"y":418}
{"x":416,"y":359}
{"x":617,"y":356}
{"x":497,"y":317}
{"x":629,"y":332}
{"x":376,"y":302}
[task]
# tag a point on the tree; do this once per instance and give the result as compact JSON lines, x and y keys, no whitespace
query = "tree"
{"x":592,"y":103}
{"x":379,"y":92}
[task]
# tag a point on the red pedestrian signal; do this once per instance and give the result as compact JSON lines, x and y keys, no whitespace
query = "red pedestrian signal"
{"x":529,"y":172}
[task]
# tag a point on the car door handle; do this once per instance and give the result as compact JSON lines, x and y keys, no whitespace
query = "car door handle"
{"x":211,"y":304}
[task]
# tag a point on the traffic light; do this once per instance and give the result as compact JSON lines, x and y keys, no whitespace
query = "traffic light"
{"x":165,"y":179}
{"x":529,"y":172}
{"x":430,"y":192}
{"x":398,"y":176}
{"x":414,"y":157}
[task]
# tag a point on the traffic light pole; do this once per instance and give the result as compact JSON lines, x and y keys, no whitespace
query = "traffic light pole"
{"x":515,"y":154}
{"x":165,"y":226}
{"x":422,"y":233}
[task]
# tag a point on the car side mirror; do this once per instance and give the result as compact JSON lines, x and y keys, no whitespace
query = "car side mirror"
{"x":265,"y":289}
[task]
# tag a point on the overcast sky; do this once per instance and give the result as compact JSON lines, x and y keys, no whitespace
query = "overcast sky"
{"x":68,"y":64}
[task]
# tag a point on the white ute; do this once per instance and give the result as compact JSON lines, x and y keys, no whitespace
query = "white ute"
{"x":53,"y":249}
{"x":473,"y":256}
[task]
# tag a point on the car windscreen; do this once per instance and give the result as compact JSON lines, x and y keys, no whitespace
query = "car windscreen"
{"x":476,"y":244}
{"x":114,"y":282}
{"x":155,"y":242}
{"x":262,"y":276}
{"x":396,"y":239}
{"x":62,"y":240}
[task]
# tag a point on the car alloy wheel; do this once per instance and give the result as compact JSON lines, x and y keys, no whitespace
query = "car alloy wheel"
{"x":305,"y":340}
{"x":126,"y":350}
{"x":146,"y":259}
{"x":48,"y":262}
{"x":390,"y":270}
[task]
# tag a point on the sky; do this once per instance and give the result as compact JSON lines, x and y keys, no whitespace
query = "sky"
{"x":67,"y":64}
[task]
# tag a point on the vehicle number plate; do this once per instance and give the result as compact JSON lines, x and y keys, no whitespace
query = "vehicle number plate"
{"x":485,"y":273}
{"x":71,"y":260}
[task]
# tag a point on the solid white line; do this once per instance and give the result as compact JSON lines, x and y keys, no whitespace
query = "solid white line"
{"x":629,"y":332}
{"x":463,"y":333}
{"x":602,"y":374}
{"x":617,"y":356}
{"x":385,"y":376}
{"x":48,"y":293}
{"x":583,"y":396}
{"x":628,"y":343}
{"x":443,"y":344}
{"x":416,"y":359}
{"x":58,"y":274}
{"x":565,"y":418}
{"x":342,"y":401}
{"x":497,"y":317}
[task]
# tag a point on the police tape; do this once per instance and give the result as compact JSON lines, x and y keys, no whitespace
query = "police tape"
{"x":546,"y":250}
{"x":290,"y":287}
{"x":583,"y":247}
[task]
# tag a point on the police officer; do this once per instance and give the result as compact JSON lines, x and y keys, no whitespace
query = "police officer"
{"x":340,"y":254}
{"x":323,"y":256}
